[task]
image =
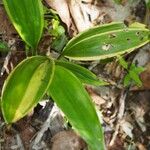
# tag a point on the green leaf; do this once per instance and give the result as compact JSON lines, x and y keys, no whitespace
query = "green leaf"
{"x":25,"y":86}
{"x":134,"y":74}
{"x":3,"y":47}
{"x":28,"y":18}
{"x":57,"y":29}
{"x":137,"y":25}
{"x":147,"y":3}
{"x":118,"y":1}
{"x":71,"y":97}
{"x":59,"y":43}
{"x":135,"y":77}
{"x":106,"y":41}
{"x":137,"y":69}
{"x":82,"y":73}
{"x":122,"y":62}
{"x":93,"y":31}
{"x":127,"y":80}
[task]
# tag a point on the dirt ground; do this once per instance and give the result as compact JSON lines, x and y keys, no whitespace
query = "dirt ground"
{"x":125,"y":112}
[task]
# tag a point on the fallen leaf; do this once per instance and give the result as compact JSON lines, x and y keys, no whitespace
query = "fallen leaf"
{"x":97,"y":99}
{"x":145,"y":77}
{"x":140,"y":146}
{"x":61,"y":6}
{"x":127,"y":128}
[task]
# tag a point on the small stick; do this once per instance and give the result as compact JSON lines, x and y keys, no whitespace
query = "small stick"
{"x":119,"y":116}
{"x":5,"y":65}
{"x":44,"y":128}
{"x":19,"y":142}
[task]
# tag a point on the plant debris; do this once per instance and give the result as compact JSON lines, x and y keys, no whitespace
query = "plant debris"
{"x":124,"y":111}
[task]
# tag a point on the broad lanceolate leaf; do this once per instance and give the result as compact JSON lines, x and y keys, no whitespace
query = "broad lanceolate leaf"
{"x":82,"y":73}
{"x":106,"y":41}
{"x":27,"y":17}
{"x":25,"y":86}
{"x":70,"y":95}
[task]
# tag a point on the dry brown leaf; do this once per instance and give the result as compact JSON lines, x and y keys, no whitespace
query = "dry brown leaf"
{"x":127,"y":128}
{"x":87,"y":13}
{"x":80,"y":14}
{"x":140,"y":106}
{"x":61,"y":6}
{"x":140,"y":146}
{"x":97,"y":99}
{"x":145,"y":77}
{"x":118,"y":144}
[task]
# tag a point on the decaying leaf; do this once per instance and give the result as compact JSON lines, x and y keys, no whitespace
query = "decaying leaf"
{"x":145,"y":77}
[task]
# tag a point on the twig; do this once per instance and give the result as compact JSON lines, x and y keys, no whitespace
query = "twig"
{"x":122,"y":104}
{"x":46,"y":125}
{"x":19,"y":142}
{"x":119,"y":116}
{"x":5,"y":65}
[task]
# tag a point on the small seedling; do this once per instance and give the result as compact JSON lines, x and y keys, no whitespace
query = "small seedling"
{"x":57,"y":31}
{"x":133,"y":71}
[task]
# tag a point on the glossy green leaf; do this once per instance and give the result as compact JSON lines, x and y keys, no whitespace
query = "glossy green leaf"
{"x":71,"y":97}
{"x":93,"y":31}
{"x":28,"y":18}
{"x":25,"y":86}
{"x":82,"y":73}
{"x":106,"y":41}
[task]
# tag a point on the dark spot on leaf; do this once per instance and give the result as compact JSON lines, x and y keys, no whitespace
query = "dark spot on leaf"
{"x":137,"y":33}
{"x":141,"y":38}
{"x":112,"y":35}
{"x":128,"y":39}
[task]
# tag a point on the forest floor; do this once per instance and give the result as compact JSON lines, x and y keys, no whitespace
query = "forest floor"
{"x":125,"y":112}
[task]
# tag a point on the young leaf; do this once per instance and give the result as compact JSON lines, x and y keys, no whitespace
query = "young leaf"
{"x":27,"y":17}
{"x":25,"y":86}
{"x":71,"y":97}
{"x":133,"y":75}
{"x":122,"y":62}
{"x":106,"y":41}
{"x":82,"y":73}
{"x":127,"y":80}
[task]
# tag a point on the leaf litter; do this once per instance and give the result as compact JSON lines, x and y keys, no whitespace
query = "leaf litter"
{"x":124,"y":111}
